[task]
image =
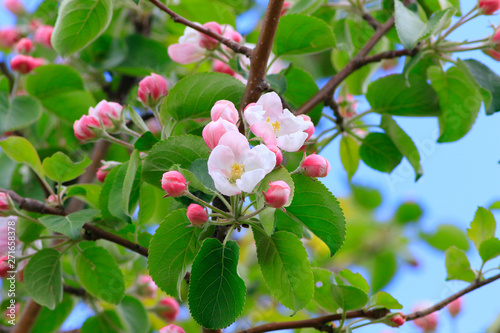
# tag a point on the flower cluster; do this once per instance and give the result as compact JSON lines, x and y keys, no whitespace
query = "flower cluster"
{"x":106,"y":116}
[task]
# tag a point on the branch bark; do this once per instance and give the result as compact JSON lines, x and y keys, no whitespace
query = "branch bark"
{"x":28,"y":317}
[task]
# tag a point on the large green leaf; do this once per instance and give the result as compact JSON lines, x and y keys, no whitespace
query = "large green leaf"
{"x":445,"y":236}
{"x":380,"y":153}
{"x":322,"y":289}
{"x":181,"y":150}
{"x":216,"y":292}
{"x":408,"y":25}
{"x":458,"y":266}
{"x":489,"y":249}
{"x":403,"y":143}
{"x":18,"y":113}
{"x":133,"y":315}
{"x":49,"y":321}
{"x":43,"y":278}
{"x":100,"y":275}
{"x":349,"y":155}
{"x":417,"y":99}
{"x":349,"y":297}
{"x":299,"y":88}
{"x":383,"y":299}
{"x":171,"y":251}
{"x":299,"y":34}
{"x":87,"y":192}
{"x":314,"y":206}
{"x":354,"y":279}
{"x":21,"y":150}
{"x":203,"y":11}
{"x":60,"y":90}
{"x":384,"y":269}
{"x":61,"y":168}
{"x":195,"y":95}
{"x":459,"y":99}
{"x":105,"y":322}
{"x":488,"y":80}
{"x":482,"y":227}
{"x":69,"y":225}
{"x":79,"y":22}
{"x":283,"y":261}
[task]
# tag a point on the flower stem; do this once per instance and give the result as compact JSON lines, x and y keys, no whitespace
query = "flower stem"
{"x":213,"y":208}
{"x":107,"y":136}
{"x":127,"y":130}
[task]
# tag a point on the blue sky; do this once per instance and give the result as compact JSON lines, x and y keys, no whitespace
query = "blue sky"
{"x":458,"y":177}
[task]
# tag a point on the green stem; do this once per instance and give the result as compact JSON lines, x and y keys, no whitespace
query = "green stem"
{"x":127,"y":130}
{"x":254,"y":213}
{"x":462,"y":20}
{"x":356,"y":117}
{"x":229,"y":232}
{"x":117,"y":141}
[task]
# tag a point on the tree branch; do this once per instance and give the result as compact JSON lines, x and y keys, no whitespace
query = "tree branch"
{"x":236,"y":47}
{"x":28,"y":317}
{"x":74,"y":291}
{"x":371,"y":20}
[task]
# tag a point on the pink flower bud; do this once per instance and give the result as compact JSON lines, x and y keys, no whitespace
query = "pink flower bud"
{"x":146,"y":286}
{"x":52,"y":200}
{"x":151,"y":89}
{"x":489,"y":7}
{"x":224,"y":110}
{"x":4,"y":267}
{"x":173,"y":183}
{"x":172,"y":329}
{"x":427,"y":323}
{"x":315,"y":166}
{"x":397,"y":320}
{"x":168,"y":309}
{"x":4,"y":202}
{"x":185,"y":53}
{"x":85,"y":128}
{"x":233,"y":35}
{"x":8,"y":37}
{"x":221,"y":67}
{"x":35,"y":24}
{"x":24,"y":46}
{"x":43,"y":35}
{"x":196,"y":214}
{"x":278,"y":193}
{"x":109,"y":113}
{"x":208,"y":42}
{"x":101,"y":174}
{"x":286,"y":6}
{"x":214,"y":130}
{"x":455,"y":307}
{"x":277,"y":152}
{"x":15,"y":7}
{"x":25,"y":64}
{"x":310,"y":129}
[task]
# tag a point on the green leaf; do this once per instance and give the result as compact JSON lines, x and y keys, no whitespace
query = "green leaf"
{"x":19,"y":113}
{"x":489,"y":249}
{"x":69,"y":225}
{"x":27,"y":230}
{"x":367,"y":197}
{"x":384,"y":269}
{"x":306,"y":6}
{"x":153,"y":207}
{"x":145,"y":142}
{"x":379,"y":152}
{"x":383,"y":299}
{"x":355,"y":279}
{"x":87,"y":192}
{"x":403,"y":143}
{"x":408,"y":212}
{"x":22,"y":151}
{"x":458,"y":266}
{"x":459,"y":99}
{"x":316,"y":208}
{"x":439,"y":21}
{"x":133,"y":315}
{"x":283,"y":261}
{"x":61,"y":91}
{"x":416,"y":99}
{"x":100,"y":275}
{"x":322,"y":290}
{"x":488,"y":80}
{"x":216,"y":291}
{"x":49,"y":321}
{"x":105,"y":52}
{"x":171,"y":251}
{"x":79,"y":22}
{"x":409,"y":26}
{"x":61,"y":168}
{"x":268,"y":219}
{"x":181,"y":150}
{"x":199,"y":168}
{"x":300,"y":34}
{"x":348,"y":297}
{"x":349,"y":155}
{"x":129,"y":180}
{"x":445,"y":236}
{"x":193,"y":98}
{"x":144,"y":56}
{"x":482,"y":227}
{"x":43,"y":278}
{"x":203,"y":11}
{"x":105,"y":322}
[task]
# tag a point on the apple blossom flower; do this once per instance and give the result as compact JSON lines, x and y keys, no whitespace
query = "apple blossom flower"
{"x":188,"y":50}
{"x":25,"y":64}
{"x":8,"y":37}
{"x":277,"y":195}
{"x":101,"y":174}
{"x":196,"y":214}
{"x":4,"y":202}
{"x":427,"y":323}
{"x":229,"y":33}
{"x":214,"y":130}
{"x":208,"y":42}
{"x":277,"y":127}
{"x":277,"y":152}
{"x":225,"y":110}
{"x":168,"y":308}
{"x":310,"y":130}
{"x":86,"y":128}
{"x":489,"y":7}
{"x":172,"y":329}
{"x":396,"y":320}
{"x":146,"y":286}
{"x":173,"y":183}
{"x":15,"y":7}
{"x":235,"y":167}
{"x":152,"y":89}
{"x":108,"y":113}
{"x":24,"y":46}
{"x":455,"y":307}
{"x":4,"y":267}
{"x":315,"y":166}
{"x":43,"y":35}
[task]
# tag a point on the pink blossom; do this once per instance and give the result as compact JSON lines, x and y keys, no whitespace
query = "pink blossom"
{"x":277,"y":195}
{"x":168,"y":309}
{"x":208,"y":42}
{"x":4,"y":202}
{"x":489,"y":7}
{"x":146,"y":286}
{"x":151,"y":89}
{"x":286,"y":6}
{"x":196,"y":214}
{"x":276,"y":127}
{"x":214,"y":130}
{"x":235,"y":167}
{"x":35,"y":24}
{"x":455,"y":307}
{"x":397,"y":320}
{"x":230,"y":33}
{"x":25,"y":64}
{"x":172,"y":329}
{"x":14,"y":6}
{"x":188,"y":50}
{"x":85,"y":128}
{"x":493,"y":54}
{"x":427,"y":323}
{"x":4,"y":267}
{"x":173,"y":183}
{"x":43,"y":35}
{"x":24,"y":46}
{"x":8,"y":37}
{"x":101,"y":174}
{"x":277,"y":152}
{"x":224,"y":110}
{"x":315,"y":166}
{"x":52,"y":200}
{"x":220,"y":66}
{"x":109,"y":114}
{"x":310,"y":130}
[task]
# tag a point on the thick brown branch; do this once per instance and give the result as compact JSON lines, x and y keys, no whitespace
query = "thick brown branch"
{"x":261,"y":53}
{"x":98,"y":233}
{"x":28,"y":317}
{"x":371,"y":20}
{"x":238,"y":48}
{"x":74,"y":291}
{"x":32,"y":205}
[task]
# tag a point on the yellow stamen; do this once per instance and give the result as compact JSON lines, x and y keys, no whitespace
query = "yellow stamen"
{"x":236,"y":172}
{"x":276,"y":125}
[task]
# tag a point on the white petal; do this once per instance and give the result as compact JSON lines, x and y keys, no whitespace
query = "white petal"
{"x":238,"y":144}
{"x":220,"y":160}
{"x":223,"y":185}
{"x":260,"y":157}
{"x":292,"y":142}
{"x":254,"y":114}
{"x":291,"y":124}
{"x":250,"y":179}
{"x":271,"y":103}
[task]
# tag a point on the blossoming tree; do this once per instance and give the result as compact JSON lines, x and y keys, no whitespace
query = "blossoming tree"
{"x":145,"y":154}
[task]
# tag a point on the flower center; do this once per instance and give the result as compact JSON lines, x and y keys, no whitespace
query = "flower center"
{"x":276,"y":125}
{"x":236,"y":172}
